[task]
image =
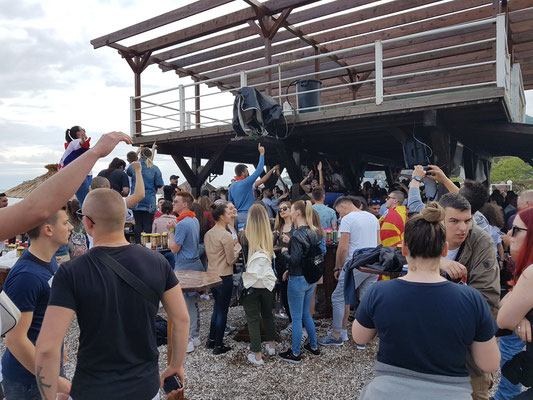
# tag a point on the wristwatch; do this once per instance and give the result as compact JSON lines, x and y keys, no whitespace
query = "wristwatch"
{"x":417,"y":178}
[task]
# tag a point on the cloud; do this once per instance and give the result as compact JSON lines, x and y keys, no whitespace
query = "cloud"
{"x":20,"y":10}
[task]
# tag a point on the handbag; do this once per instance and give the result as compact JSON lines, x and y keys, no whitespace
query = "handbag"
{"x":9,"y":313}
{"x":95,"y":254}
{"x":314,"y":264}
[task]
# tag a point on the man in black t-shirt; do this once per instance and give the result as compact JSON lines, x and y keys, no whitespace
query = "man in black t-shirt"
{"x":170,"y":190}
{"x":117,"y":356}
{"x":117,"y":177}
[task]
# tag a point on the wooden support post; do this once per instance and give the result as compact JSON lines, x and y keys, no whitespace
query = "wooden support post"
{"x":187,"y":172}
{"x":138,"y":126}
{"x":293,"y":168}
{"x":268,"y":58}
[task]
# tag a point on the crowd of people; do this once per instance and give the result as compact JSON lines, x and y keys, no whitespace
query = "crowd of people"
{"x":468,"y":279}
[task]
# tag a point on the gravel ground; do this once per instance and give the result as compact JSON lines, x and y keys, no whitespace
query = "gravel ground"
{"x":339,"y":372}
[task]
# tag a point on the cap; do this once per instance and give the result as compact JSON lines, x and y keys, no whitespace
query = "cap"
{"x":174,"y":177}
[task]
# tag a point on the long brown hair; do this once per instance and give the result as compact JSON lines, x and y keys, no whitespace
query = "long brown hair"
{"x":280,"y":222}
{"x":425,"y":234}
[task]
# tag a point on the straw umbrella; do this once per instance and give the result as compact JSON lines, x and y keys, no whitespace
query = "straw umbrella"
{"x":25,"y":188}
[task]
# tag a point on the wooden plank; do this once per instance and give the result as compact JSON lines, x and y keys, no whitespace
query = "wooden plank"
{"x":214,"y":25}
{"x":295,"y":18}
{"x":156,"y":22}
{"x":367,"y":37}
{"x":522,"y":15}
{"x":360,"y":29}
{"x":292,"y":45}
{"x":515,"y":5}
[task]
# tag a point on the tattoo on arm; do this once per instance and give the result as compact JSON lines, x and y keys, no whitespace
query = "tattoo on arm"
{"x":40,"y":383}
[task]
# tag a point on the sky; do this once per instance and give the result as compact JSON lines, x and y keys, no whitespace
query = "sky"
{"x":51,"y":78}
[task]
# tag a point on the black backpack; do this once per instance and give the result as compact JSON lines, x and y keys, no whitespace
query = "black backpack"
{"x":314,"y":262}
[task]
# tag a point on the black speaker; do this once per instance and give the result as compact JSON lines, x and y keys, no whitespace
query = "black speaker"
{"x":415,"y":153}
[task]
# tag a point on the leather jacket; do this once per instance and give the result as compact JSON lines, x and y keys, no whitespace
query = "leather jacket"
{"x":298,"y":248}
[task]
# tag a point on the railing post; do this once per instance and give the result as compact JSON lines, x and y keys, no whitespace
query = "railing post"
{"x":132,"y":117}
{"x":181,"y":93}
{"x":243,"y":79}
{"x":378,"y":47}
{"x":501,"y":55}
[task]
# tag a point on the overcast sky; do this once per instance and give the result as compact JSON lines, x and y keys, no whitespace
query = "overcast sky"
{"x":51,"y":79}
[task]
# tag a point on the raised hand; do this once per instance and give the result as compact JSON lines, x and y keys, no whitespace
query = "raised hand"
{"x":109,"y":141}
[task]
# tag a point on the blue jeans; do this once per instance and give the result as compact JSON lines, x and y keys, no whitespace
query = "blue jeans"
{"x":18,"y":391}
{"x":84,"y":189}
{"x":222,"y":296}
{"x":509,"y":346}
{"x":300,"y":294}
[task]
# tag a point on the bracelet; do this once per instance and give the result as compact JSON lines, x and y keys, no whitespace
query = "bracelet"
{"x":171,"y":230}
{"x":337,"y":269}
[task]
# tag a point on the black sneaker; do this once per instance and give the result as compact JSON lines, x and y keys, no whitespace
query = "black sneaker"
{"x":210,"y":344}
{"x":290,"y":357}
{"x":315,"y":352}
{"x":221,"y":350}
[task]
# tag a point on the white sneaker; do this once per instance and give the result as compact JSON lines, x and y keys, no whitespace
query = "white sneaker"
{"x":287,"y":331}
{"x":196,"y":342}
{"x":344,"y":334}
{"x":361,"y":346}
{"x":251,"y":358}
{"x":269,"y":351}
{"x":190,"y":347}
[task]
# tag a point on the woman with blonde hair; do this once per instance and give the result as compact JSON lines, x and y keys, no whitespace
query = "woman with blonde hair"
{"x":144,"y":211}
{"x":299,"y":291}
{"x":426,"y":324}
{"x":259,"y":281}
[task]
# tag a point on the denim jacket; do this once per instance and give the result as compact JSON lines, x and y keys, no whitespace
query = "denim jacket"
{"x":152,"y":181}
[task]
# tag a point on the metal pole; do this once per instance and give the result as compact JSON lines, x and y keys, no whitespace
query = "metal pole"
{"x":243,"y":79}
{"x":500,"y":50}
{"x":181,"y":93}
{"x":379,"y":71}
{"x":132,"y":116}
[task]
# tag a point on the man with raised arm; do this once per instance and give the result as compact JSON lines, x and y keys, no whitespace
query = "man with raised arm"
{"x":241,"y":192}
{"x":53,"y":194}
{"x":117,"y":356}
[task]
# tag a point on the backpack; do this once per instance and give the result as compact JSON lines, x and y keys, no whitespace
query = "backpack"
{"x":314,"y":263}
{"x":9,"y":312}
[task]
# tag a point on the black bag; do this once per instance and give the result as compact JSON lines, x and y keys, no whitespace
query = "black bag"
{"x":161,"y":330}
{"x":314,"y":264}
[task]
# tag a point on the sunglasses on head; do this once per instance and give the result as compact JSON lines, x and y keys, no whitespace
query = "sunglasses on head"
{"x":516,"y":229}
{"x":80,"y":215}
{"x":375,"y":201}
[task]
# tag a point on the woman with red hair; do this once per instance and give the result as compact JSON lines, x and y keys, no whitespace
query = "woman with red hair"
{"x":516,"y":309}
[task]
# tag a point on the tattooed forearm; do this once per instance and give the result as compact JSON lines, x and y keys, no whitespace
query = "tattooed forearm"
{"x":40,"y":383}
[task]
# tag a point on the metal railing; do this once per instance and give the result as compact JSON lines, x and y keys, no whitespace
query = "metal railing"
{"x":173,"y":109}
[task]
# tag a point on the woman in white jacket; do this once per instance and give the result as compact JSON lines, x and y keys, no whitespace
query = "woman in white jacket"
{"x":259,"y":280}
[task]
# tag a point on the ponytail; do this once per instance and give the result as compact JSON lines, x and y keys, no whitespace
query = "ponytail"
{"x":72,"y":133}
{"x":306,"y":209}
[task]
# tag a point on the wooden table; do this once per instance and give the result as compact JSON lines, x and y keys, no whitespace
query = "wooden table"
{"x":191,"y":281}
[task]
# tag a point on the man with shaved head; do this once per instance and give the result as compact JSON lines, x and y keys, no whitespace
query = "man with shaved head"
{"x":117,"y":356}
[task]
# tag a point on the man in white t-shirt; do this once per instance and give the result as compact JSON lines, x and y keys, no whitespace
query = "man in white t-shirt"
{"x":358,"y":230}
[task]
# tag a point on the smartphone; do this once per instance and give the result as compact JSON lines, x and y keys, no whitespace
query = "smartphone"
{"x":171,"y":383}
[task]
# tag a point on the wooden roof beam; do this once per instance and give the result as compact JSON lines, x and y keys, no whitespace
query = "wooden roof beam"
{"x":157,"y":22}
{"x":362,"y":28}
{"x":214,"y":25}
{"x":295,"y":18}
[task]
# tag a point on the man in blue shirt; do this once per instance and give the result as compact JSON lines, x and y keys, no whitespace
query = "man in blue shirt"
{"x":327,"y":215}
{"x":241,"y":192}
{"x":28,"y":286}
{"x":183,"y":240}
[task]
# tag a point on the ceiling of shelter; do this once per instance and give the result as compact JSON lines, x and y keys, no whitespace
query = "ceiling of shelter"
{"x":248,"y":34}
